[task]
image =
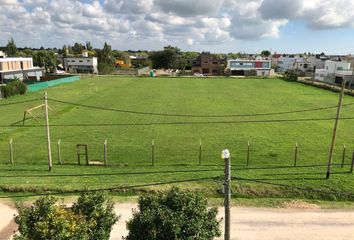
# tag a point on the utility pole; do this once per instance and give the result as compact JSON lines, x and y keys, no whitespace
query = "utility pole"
{"x":47,"y":131}
{"x":330,"y":158}
{"x":227,"y":193}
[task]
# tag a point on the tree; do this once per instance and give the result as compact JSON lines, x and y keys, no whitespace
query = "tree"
{"x":65,"y":51}
{"x":11,"y":49}
{"x":88,"y":46}
{"x":91,"y":218}
{"x":170,"y":57}
{"x":173,"y":215}
{"x":46,"y":220}
{"x":265,"y":53}
{"x":46,"y":59}
{"x":105,"y":61}
{"x":77,"y":48}
{"x":98,"y":212}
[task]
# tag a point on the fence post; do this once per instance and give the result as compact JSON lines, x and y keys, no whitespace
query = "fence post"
{"x":59,"y":152}
{"x":248,"y":153}
{"x":200,"y":153}
{"x":352,"y":166}
{"x":105,"y":152}
{"x":153,"y":153}
{"x":11,"y":152}
{"x":343,"y":156}
{"x":295,"y":158}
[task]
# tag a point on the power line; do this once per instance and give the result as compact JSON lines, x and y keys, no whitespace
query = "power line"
{"x":180,"y":123}
{"x":14,"y":103}
{"x":193,"y":115}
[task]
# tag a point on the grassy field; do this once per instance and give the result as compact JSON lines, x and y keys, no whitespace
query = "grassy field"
{"x":176,"y":140}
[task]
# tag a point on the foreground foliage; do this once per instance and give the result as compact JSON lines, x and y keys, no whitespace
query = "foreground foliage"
{"x":173,"y":215}
{"x":92,"y":217}
{"x":13,"y":88}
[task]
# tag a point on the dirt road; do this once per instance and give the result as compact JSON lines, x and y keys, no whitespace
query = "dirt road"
{"x":247,"y":223}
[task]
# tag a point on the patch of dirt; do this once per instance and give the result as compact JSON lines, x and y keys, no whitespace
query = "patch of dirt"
{"x":298,"y":204}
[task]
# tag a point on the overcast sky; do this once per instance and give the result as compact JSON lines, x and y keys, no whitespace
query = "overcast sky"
{"x":294,"y":26}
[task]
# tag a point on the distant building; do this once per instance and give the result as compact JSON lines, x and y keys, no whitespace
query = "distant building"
{"x":245,"y":67}
{"x":2,"y":54}
{"x":285,"y":64}
{"x":335,"y":72}
{"x":20,"y":68}
{"x":81,"y":64}
{"x":316,"y":63}
{"x":207,"y":64}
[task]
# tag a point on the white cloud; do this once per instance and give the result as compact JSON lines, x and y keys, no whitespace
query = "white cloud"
{"x":185,"y":22}
{"x":189,"y":8}
{"x":8,"y":2}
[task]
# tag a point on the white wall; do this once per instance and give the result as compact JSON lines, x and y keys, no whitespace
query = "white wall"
{"x":332,"y":67}
{"x":284,"y":64}
{"x":81,"y":61}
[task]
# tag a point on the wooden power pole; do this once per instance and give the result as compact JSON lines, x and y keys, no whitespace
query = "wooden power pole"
{"x":330,"y":157}
{"x":227,"y":194}
{"x":47,"y":131}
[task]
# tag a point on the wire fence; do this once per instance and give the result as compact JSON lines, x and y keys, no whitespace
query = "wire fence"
{"x":156,"y":153}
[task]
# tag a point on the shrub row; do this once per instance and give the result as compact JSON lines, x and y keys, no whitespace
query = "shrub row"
{"x":13,"y":88}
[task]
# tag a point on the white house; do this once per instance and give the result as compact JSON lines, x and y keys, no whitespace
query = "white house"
{"x":335,"y":72}
{"x":285,"y":64}
{"x":245,"y":67}
{"x":81,"y":64}
{"x":21,"y":68}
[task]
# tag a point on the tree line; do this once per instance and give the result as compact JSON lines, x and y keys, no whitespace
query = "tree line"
{"x":170,"y":57}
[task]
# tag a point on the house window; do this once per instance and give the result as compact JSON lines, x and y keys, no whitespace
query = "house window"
{"x":206,"y":62}
{"x":305,"y":65}
{"x":72,"y":60}
{"x":88,"y":61}
{"x":215,"y":71}
{"x":215,"y":62}
{"x":81,"y":61}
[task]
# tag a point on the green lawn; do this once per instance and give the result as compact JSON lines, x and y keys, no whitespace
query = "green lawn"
{"x":177,"y":145}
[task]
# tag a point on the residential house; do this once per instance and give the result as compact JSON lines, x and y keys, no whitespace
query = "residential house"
{"x":20,"y":68}
{"x":82,"y":64}
{"x":335,"y":72}
{"x":246,"y":67}
{"x":316,"y":63}
{"x":207,"y":64}
{"x":285,"y":64}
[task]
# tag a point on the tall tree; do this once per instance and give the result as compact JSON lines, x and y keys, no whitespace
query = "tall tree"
{"x":88,"y":46}
{"x":105,"y":60}
{"x":11,"y":49}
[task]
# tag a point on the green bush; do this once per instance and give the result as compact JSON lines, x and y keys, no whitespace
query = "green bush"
{"x":92,"y":217}
{"x":290,"y":76}
{"x":173,"y":215}
{"x":13,"y":88}
{"x":98,"y":213}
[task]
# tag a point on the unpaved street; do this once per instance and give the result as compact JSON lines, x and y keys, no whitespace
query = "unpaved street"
{"x":247,"y":223}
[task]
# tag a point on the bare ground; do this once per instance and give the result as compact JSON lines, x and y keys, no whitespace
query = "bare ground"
{"x":294,"y":222}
